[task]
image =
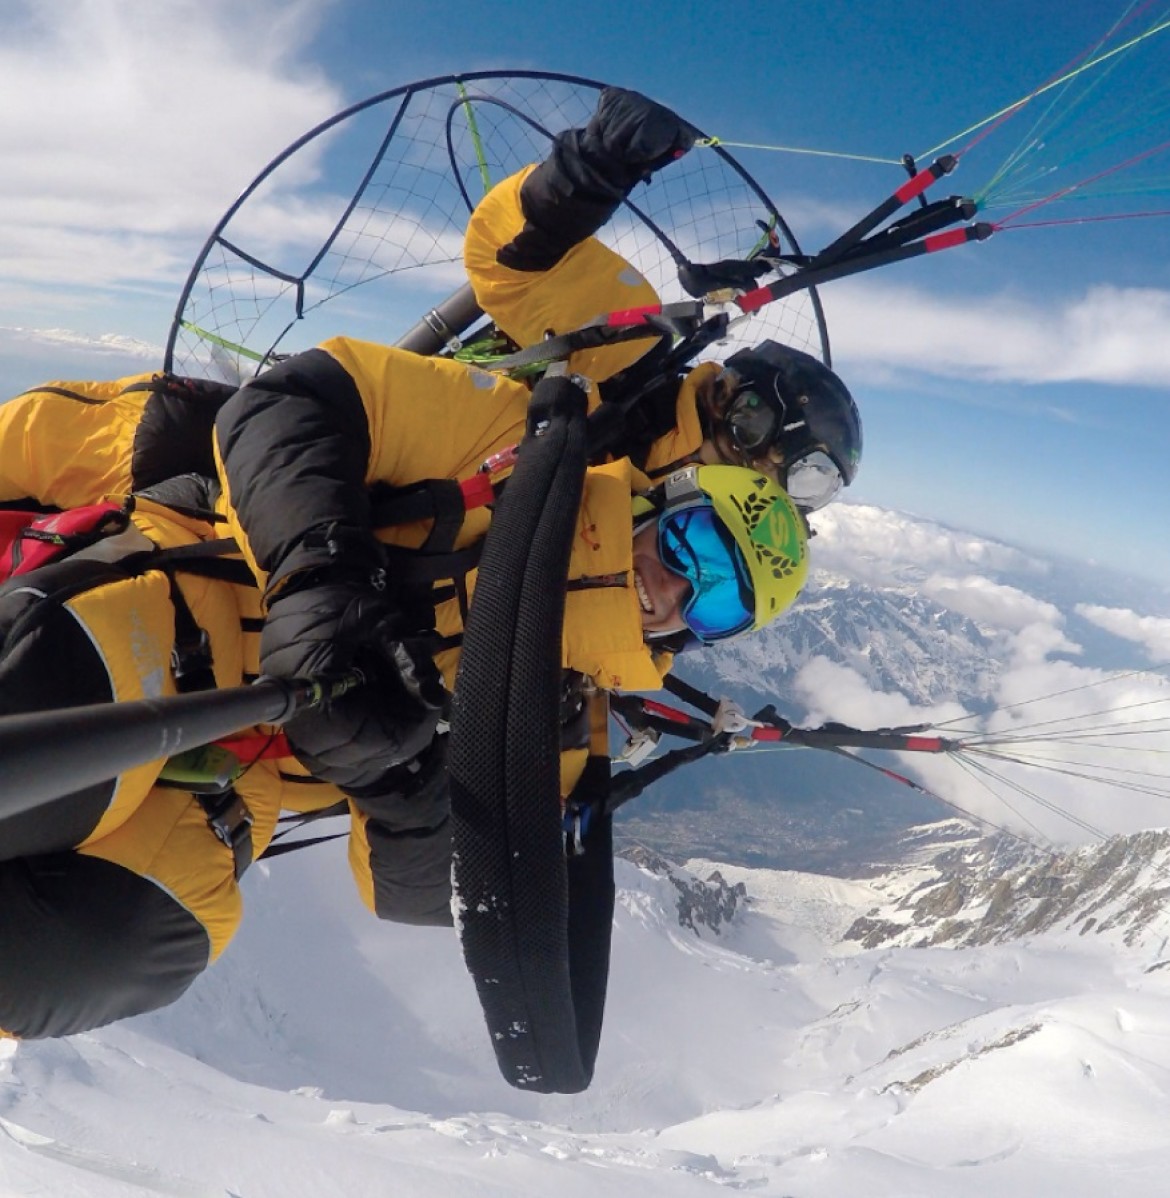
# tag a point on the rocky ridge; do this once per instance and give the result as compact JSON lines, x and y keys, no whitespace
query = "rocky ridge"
{"x":709,"y":903}
{"x":996,"y":890}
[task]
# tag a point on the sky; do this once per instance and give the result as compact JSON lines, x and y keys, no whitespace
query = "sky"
{"x":327,"y":1054}
{"x":1019,"y":387}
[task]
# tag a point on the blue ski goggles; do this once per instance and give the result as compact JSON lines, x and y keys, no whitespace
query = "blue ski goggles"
{"x":695,"y":544}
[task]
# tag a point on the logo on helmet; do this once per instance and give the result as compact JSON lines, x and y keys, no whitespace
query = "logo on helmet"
{"x":777,"y":531}
{"x":773,"y":534}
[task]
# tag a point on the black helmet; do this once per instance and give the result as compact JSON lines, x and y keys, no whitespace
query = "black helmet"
{"x":788,"y":401}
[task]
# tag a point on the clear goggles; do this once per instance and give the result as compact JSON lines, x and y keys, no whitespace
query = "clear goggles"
{"x":695,"y":544}
{"x":813,"y":480}
{"x":755,"y":424}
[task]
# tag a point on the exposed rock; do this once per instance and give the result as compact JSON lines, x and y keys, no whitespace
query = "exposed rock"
{"x":994,"y":892}
{"x":709,"y":902}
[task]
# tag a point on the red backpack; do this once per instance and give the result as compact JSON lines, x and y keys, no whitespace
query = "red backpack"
{"x":32,"y":539}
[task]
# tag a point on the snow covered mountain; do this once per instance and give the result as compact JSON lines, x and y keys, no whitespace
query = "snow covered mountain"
{"x":895,"y":638}
{"x":995,"y":891}
{"x":904,"y":621}
{"x":330,"y":1055}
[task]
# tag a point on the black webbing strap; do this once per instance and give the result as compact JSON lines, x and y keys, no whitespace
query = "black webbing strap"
{"x":208,"y":559}
{"x":699,"y":700}
{"x":278,"y":846}
{"x":437,"y":499}
{"x":629,"y":784}
{"x":226,"y":813}
{"x":414,"y":566}
{"x":291,"y":846}
{"x":561,"y":346}
{"x":191,"y":664}
{"x":534,"y":926}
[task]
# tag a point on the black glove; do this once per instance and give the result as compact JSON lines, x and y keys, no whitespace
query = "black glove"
{"x":589,"y":172}
{"x":330,"y":627}
{"x":634,"y":135}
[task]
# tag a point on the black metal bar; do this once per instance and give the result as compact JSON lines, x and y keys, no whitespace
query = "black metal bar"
{"x":48,"y":754}
{"x":912,"y":188}
{"x":814,"y":276}
{"x":854,"y":738}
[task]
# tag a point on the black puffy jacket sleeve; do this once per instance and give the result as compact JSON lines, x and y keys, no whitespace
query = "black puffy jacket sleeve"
{"x":295,"y":449}
{"x":403,"y":855}
{"x":580,"y":185}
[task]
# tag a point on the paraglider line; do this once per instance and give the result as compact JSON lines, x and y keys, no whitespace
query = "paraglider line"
{"x":1064,"y":191}
{"x":1082,"y":773}
{"x":711,"y":143}
{"x":1071,"y":690}
{"x":998,"y":118}
{"x":1078,"y":220}
{"x":975,"y":767}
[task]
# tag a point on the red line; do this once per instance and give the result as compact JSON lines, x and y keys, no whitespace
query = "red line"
{"x":1082,"y":57}
{"x":256,"y":746}
{"x":944,"y":241}
{"x":1112,"y":170}
{"x":670,"y":713}
{"x":752,"y":301}
{"x":1080,"y":220}
{"x":915,"y":186}
{"x":893,"y":774}
{"x":924,"y":744}
{"x":767,"y":733}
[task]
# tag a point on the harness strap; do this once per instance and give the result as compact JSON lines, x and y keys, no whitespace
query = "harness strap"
{"x":230,"y":820}
{"x":415,"y":566}
{"x":191,"y":653}
{"x":296,"y":822}
{"x":226,"y":813}
{"x":444,"y":500}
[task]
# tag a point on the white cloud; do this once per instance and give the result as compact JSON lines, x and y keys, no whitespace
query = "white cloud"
{"x":112,"y":343}
{"x":1069,"y":754}
{"x":130,"y":125}
{"x":991,"y":603}
{"x":876,"y":544}
{"x":1035,"y":642}
{"x":1069,"y":750}
{"x":835,"y":692}
{"x":1113,"y":335}
{"x":1151,"y":632}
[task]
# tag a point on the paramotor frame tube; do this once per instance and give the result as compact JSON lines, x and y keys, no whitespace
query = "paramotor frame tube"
{"x":247,"y":290}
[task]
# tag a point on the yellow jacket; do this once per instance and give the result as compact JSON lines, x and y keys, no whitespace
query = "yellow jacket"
{"x":587,"y":282}
{"x":425,"y":418}
{"x":148,"y":896}
{"x":67,"y":443}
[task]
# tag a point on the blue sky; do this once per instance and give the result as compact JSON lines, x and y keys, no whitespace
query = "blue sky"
{"x":1019,"y":388}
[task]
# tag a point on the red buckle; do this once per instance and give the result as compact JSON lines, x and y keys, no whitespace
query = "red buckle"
{"x":477,"y":491}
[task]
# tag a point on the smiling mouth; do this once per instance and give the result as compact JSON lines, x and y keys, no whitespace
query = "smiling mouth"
{"x":643,"y":594}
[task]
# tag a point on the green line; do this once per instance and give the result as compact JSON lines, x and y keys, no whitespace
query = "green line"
{"x":763,"y":240}
{"x":710,"y":142}
{"x":485,"y":178}
{"x":1093,"y":62}
{"x":243,"y":351}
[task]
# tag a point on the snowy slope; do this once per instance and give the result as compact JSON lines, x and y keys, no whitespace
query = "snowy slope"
{"x":330,"y":1055}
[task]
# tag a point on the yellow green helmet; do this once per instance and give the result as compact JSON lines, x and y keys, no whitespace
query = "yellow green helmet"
{"x":738,"y":539}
